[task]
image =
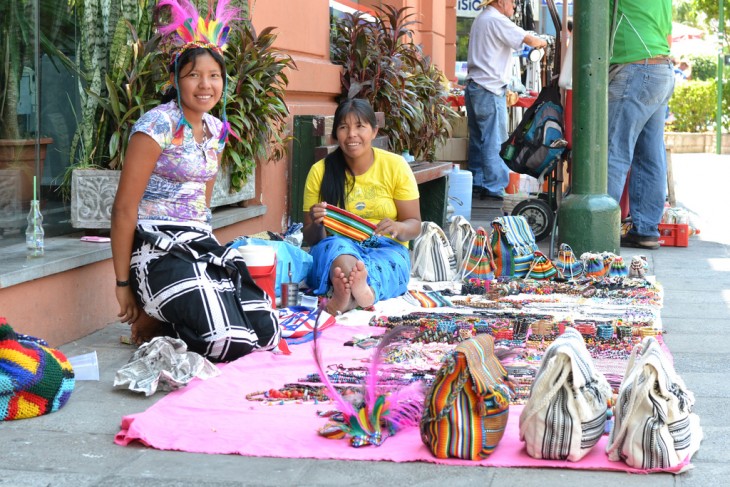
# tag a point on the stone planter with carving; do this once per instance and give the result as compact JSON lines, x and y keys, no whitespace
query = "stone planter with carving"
{"x":93,"y":192}
{"x":92,"y":196}
{"x":221,"y":191}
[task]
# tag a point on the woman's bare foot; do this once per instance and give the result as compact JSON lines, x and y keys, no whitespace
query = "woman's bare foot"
{"x":341,"y":299}
{"x":145,"y":328}
{"x":361,"y":292}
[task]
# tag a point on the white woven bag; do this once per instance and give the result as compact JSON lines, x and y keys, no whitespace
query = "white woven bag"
{"x":461,"y":237}
{"x":655,"y":426}
{"x":432,"y":258}
{"x":565,"y":415}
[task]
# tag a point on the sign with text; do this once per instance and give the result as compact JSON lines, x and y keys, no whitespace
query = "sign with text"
{"x":468,"y":8}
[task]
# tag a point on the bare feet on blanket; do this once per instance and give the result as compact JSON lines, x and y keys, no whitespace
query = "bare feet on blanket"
{"x":362,"y":293}
{"x":146,"y":328}
{"x":341,"y":295}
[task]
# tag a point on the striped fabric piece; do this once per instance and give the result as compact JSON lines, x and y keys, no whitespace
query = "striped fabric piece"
{"x":513,"y":246}
{"x":467,"y":406}
{"x":426,"y":299}
{"x":346,"y":224}
{"x":542,"y":268}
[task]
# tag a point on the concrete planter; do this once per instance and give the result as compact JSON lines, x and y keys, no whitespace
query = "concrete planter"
{"x":11,"y":215}
{"x":92,"y":196}
{"x":222,"y":195}
{"x":93,"y":192}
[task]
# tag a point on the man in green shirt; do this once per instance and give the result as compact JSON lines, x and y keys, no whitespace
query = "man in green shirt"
{"x":641,"y":82}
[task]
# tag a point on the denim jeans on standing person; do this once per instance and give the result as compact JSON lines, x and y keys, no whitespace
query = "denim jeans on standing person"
{"x":487,"y":121}
{"x":637,"y":104}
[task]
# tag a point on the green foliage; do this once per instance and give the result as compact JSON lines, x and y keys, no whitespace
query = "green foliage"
{"x":694,"y":105}
{"x":703,"y":67}
{"x":382,"y":64}
{"x":255,"y":106}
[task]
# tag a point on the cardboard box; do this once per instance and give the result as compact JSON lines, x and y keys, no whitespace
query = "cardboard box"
{"x":459,"y":127}
{"x":454,"y":150}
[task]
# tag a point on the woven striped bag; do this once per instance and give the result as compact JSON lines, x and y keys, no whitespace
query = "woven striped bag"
{"x":467,"y":406}
{"x":346,"y":224}
{"x":542,"y":268}
{"x":513,"y":246}
{"x":479,"y":264}
{"x":432,"y":258}
{"x":565,"y":415}
{"x":655,"y":423}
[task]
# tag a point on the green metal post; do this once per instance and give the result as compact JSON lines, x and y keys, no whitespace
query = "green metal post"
{"x":589,"y":219}
{"x":720,"y":63}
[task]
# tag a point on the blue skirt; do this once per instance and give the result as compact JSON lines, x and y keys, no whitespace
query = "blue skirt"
{"x":388,"y":264}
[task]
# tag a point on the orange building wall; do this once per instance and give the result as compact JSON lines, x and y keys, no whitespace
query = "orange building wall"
{"x":72,"y":304}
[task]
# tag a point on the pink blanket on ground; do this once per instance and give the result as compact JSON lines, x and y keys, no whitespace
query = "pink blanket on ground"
{"x":214,"y":416}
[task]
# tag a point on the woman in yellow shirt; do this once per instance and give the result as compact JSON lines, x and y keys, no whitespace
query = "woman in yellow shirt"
{"x":376,"y":185}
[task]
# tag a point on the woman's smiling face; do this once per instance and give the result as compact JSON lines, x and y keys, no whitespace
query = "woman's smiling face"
{"x":200,"y":84}
{"x":355,"y":136}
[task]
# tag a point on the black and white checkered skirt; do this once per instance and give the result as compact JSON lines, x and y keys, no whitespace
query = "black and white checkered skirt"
{"x":184,"y":277}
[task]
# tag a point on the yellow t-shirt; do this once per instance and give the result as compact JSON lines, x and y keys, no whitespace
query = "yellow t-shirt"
{"x":372,"y":197}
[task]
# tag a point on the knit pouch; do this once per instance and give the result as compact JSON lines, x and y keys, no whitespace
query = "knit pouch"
{"x":35,"y":379}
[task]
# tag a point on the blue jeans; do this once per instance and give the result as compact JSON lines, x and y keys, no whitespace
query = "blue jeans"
{"x":487,"y":121}
{"x":637,"y":104}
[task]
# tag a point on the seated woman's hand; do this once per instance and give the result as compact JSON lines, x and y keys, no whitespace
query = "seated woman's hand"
{"x":388,"y":227}
{"x":317,"y":213}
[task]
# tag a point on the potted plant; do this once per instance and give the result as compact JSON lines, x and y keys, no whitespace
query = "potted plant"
{"x":131,"y":86}
{"x":17,"y":142}
{"x":255,"y":109}
{"x":382,"y":64}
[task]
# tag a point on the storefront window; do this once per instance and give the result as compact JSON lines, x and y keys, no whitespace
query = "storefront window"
{"x":38,"y":98}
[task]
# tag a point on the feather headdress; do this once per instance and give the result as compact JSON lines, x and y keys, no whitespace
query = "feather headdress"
{"x":376,"y":415}
{"x":188,"y":30}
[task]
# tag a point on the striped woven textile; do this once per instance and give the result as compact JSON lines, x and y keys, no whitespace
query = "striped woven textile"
{"x":346,"y":224}
{"x":513,"y":246}
{"x":426,"y":299}
{"x":467,"y":406}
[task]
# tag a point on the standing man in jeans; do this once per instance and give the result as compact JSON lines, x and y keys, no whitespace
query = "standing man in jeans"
{"x":641,"y":81}
{"x":492,"y":39}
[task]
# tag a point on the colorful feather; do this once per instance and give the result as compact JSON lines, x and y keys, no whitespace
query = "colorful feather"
{"x":380,"y":415}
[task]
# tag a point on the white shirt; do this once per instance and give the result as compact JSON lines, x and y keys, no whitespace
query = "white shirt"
{"x":492,"y":39}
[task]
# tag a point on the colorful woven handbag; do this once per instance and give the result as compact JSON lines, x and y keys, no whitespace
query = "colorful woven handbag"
{"x":542,"y":268}
{"x":566,"y":262}
{"x":618,"y":267}
{"x":480,"y":263}
{"x":467,"y":407}
{"x":513,"y":246}
{"x":346,"y":224}
{"x":593,"y":265}
{"x":34,"y":378}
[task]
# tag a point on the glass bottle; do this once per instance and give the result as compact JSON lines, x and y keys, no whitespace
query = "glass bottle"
{"x":34,"y":232}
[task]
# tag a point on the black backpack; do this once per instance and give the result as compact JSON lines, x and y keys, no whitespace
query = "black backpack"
{"x":537,"y":143}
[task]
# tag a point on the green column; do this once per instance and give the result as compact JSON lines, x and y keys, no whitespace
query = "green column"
{"x":589,"y":219}
{"x":720,"y":63}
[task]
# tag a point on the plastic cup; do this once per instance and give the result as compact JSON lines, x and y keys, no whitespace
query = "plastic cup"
{"x":86,"y":366}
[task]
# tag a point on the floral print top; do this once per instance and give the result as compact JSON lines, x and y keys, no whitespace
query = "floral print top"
{"x":176,"y":189}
